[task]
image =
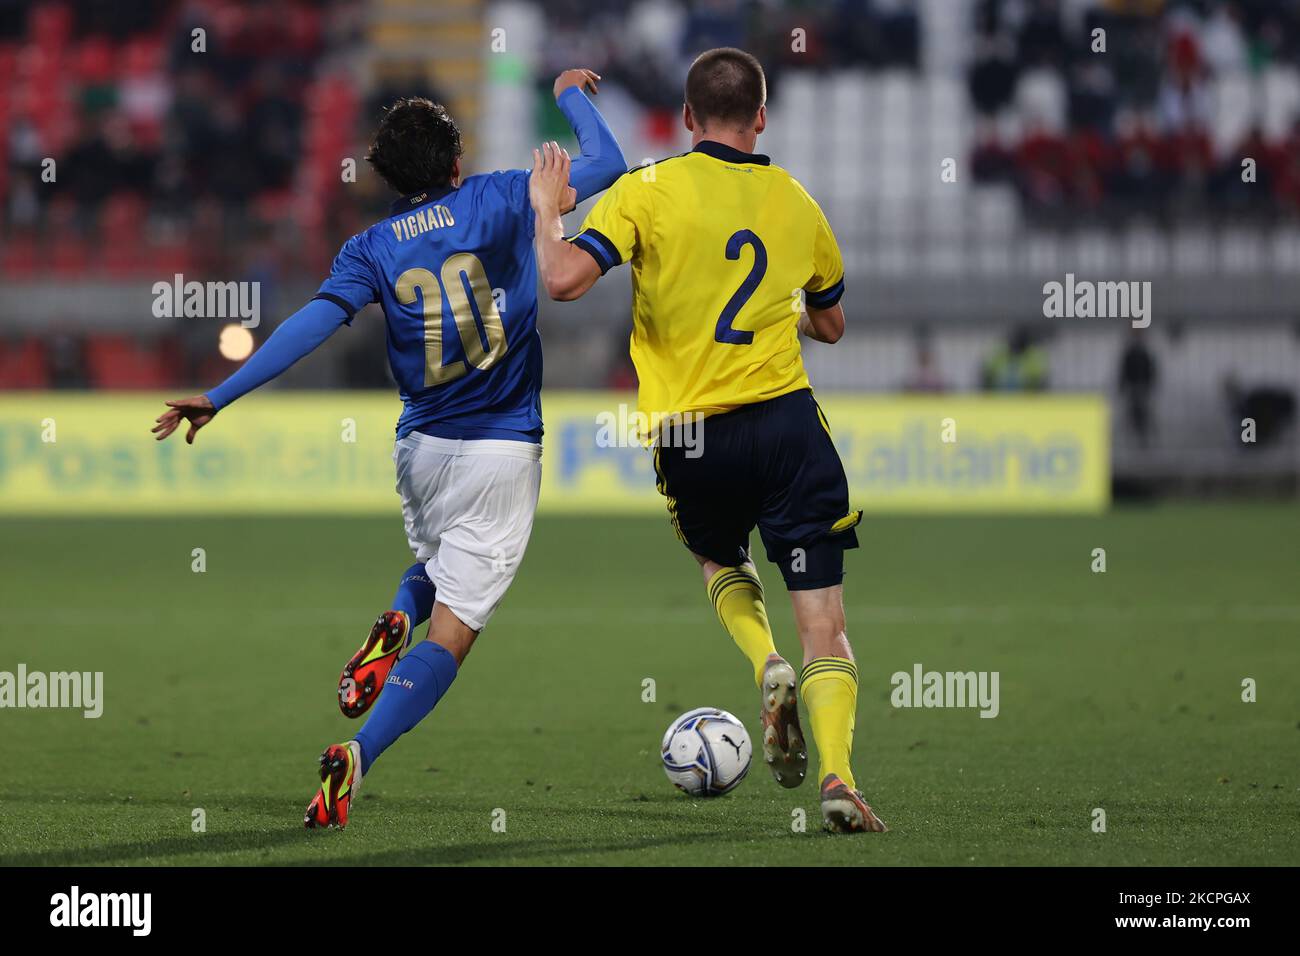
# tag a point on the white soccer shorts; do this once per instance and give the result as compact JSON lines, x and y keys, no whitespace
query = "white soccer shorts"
{"x":468,"y":508}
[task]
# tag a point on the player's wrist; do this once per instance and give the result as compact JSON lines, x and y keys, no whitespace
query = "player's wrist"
{"x":547,"y":208}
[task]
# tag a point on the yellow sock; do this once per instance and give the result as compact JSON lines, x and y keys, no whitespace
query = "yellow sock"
{"x":830,"y":692}
{"x":737,"y":596}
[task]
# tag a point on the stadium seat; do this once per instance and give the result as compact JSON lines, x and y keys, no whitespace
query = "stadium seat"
{"x":120,"y":362}
{"x":23,"y":364}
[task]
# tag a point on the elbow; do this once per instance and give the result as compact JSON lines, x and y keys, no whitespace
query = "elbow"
{"x":565,"y":293}
{"x":562,"y":288}
{"x":826,"y":325}
{"x":617,"y":163}
{"x":610,"y":160}
{"x":609,"y":169}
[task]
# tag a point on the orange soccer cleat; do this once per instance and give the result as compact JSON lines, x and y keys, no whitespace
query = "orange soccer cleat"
{"x":363,"y":677}
{"x":340,"y":777}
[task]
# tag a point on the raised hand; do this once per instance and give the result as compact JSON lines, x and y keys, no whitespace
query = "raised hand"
{"x":548,"y":187}
{"x":197,"y":410}
{"x":584,"y":79}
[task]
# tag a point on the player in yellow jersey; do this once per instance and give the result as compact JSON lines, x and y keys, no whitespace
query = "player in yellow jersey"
{"x":727,"y":250}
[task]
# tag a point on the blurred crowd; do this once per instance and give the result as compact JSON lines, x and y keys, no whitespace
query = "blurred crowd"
{"x":129,"y":145}
{"x":159,"y":135}
{"x":648,"y":44}
{"x":1152,"y":121}
{"x":154,"y":137}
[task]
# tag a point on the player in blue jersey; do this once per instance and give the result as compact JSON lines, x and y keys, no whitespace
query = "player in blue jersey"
{"x":453,"y":269}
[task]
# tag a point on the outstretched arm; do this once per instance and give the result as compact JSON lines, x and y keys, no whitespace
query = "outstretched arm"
{"x":298,"y":335}
{"x":566,"y":271}
{"x":601,"y":160}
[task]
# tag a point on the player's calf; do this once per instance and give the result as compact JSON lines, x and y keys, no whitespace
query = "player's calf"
{"x":363,"y":676}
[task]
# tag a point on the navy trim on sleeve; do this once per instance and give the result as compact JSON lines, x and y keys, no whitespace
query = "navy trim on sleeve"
{"x":337,"y":300}
{"x":599,"y":247}
{"x":611,"y":250}
{"x":826,"y":298}
{"x":589,"y":247}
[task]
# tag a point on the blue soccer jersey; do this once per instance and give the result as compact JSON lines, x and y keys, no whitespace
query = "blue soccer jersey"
{"x":454,"y":272}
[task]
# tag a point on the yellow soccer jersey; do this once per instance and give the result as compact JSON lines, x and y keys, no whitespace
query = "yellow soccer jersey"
{"x":722,"y":245}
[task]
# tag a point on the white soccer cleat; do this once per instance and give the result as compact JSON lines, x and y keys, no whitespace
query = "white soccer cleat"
{"x":784,"y":750}
{"x":845,"y":811}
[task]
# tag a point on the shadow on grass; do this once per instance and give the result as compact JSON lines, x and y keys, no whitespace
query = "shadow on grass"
{"x":138,"y":851}
{"x":502,"y":849}
{"x":333,"y":848}
{"x":520,"y":852}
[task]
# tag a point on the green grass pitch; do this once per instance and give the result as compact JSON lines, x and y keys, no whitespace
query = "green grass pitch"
{"x":1120,"y":691}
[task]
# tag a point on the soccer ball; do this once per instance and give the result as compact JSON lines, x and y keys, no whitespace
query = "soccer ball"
{"x":706,"y":752}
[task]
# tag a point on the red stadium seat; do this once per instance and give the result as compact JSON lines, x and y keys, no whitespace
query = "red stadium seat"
{"x":120,"y":362}
{"x":70,"y":257}
{"x":20,"y":259}
{"x":50,"y":24}
{"x":94,"y":61}
{"x":142,"y":56}
{"x":24,"y":364}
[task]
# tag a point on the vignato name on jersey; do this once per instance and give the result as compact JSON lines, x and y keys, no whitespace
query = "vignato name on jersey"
{"x":453,"y":270}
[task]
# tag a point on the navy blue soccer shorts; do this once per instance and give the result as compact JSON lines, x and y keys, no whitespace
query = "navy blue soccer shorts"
{"x":771,"y":464}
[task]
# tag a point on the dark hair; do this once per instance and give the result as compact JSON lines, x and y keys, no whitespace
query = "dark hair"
{"x":726,"y":86}
{"x":416,"y":145}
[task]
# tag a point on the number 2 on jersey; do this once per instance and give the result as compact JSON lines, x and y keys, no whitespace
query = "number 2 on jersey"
{"x":468,"y":291}
{"x":725,"y":333}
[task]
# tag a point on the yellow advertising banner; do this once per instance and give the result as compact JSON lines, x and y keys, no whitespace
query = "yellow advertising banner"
{"x":331,"y":452}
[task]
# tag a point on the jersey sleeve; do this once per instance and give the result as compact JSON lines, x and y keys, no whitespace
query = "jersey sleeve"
{"x":826,"y":287}
{"x":297,"y":335}
{"x":601,"y":161}
{"x":351,"y":284}
{"x":618,"y":225}
{"x":511,"y":188}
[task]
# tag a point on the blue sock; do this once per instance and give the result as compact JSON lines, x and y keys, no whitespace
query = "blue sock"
{"x":415,"y":595}
{"x":412,"y":690}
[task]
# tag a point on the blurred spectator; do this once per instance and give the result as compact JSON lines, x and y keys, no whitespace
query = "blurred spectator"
{"x":1019,"y":365}
{"x":1272,"y":409}
{"x":1222,"y":40}
{"x":993,"y":74}
{"x":991,"y":161}
{"x":924,"y":375}
{"x":1137,"y":383}
{"x":1142,"y":115}
{"x":67,"y":361}
{"x":106,"y":160}
{"x":116,"y":95}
